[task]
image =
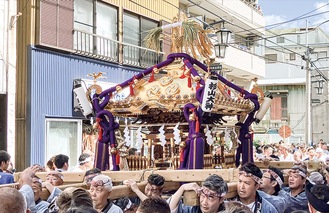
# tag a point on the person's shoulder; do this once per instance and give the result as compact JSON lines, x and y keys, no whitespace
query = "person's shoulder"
{"x":286,"y":189}
{"x":6,"y":174}
{"x":190,"y":209}
{"x":268,"y":207}
{"x":6,"y":178}
{"x":115,"y":209}
{"x":41,"y":206}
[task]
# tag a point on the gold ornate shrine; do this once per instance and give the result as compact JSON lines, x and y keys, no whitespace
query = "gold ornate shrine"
{"x":168,"y":94}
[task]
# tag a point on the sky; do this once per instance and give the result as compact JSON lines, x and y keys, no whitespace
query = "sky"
{"x":276,"y":11}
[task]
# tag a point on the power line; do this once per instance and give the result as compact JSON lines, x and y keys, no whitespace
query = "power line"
{"x":291,"y":20}
{"x":226,"y":21}
{"x":250,"y":30}
{"x":282,"y":62}
{"x":277,"y":24}
{"x":319,"y":71}
{"x":302,"y":16}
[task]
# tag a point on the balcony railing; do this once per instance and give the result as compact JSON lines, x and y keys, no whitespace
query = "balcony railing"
{"x":253,"y":5}
{"x":107,"y":49}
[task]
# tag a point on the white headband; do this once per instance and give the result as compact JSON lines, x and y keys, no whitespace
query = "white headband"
{"x":86,"y":160}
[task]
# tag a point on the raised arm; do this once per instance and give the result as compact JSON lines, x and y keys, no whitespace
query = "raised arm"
{"x":178,"y":194}
{"x":133,"y":186}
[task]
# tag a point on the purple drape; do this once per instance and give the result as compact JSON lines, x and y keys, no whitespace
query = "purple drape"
{"x":194,"y":150}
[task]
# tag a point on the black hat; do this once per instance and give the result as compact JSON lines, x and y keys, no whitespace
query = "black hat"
{"x":318,"y":196}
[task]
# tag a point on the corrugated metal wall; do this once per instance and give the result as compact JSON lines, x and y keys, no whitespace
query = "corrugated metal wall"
{"x":50,"y":82}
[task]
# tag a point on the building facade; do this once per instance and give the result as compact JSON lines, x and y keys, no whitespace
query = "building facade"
{"x":61,"y":41}
{"x":9,"y":17}
{"x":285,"y":79}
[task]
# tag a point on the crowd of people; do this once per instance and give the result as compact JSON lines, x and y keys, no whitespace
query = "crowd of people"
{"x":258,"y":191}
{"x":289,"y":152}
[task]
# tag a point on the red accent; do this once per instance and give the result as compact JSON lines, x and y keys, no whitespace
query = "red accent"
{"x":152,"y":76}
{"x":197,"y":86}
{"x":131,"y":88}
{"x":252,"y":135}
{"x":100,"y":129}
{"x":117,"y":158}
{"x":242,"y":92}
{"x":197,"y":125}
{"x":183,"y":74}
{"x":189,"y":81}
{"x":181,"y":155}
{"x":227,"y":90}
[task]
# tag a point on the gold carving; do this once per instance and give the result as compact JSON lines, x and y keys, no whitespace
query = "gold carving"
{"x":166,"y":80}
{"x":156,"y":70}
{"x":118,"y":88}
{"x":154,"y":91}
{"x":173,"y":89}
{"x":259,"y":92}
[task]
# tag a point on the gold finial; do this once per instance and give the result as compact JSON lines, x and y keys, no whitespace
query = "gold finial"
{"x":96,"y":75}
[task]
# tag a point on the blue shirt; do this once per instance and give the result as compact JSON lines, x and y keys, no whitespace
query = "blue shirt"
{"x":277,"y":201}
{"x":298,"y":202}
{"x":6,"y":178}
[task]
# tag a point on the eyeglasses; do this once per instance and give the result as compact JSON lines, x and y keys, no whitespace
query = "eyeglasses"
{"x":206,"y":193}
{"x":274,"y":175}
{"x":246,"y":174}
{"x":101,"y":182}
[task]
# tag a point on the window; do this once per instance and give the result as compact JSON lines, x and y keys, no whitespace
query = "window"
{"x":280,"y":40}
{"x":271,"y":58}
{"x":279,"y":108}
{"x":103,"y":24}
{"x":64,"y":136}
{"x":322,"y":55}
{"x":292,"y":56}
{"x":319,"y":87}
{"x":135,"y":28}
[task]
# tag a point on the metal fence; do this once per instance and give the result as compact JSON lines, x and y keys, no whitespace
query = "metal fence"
{"x":99,"y":47}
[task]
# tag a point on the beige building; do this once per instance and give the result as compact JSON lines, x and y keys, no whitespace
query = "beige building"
{"x":285,"y":78}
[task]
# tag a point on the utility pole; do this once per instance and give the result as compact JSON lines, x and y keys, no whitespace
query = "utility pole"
{"x":308,"y":123}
